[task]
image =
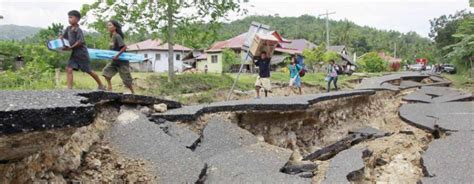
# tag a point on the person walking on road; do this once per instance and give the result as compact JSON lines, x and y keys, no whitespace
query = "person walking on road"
{"x":263,"y":79}
{"x":332,"y":75}
{"x":295,"y":78}
{"x":122,"y":67}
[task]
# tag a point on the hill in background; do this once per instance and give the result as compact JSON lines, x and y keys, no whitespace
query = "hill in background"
{"x":14,"y":32}
{"x":359,"y":39}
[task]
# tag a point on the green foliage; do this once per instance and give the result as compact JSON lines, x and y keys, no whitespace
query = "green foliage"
{"x":461,"y":81}
{"x":444,"y":27}
{"x":161,"y":18}
{"x":315,"y":55}
{"x":229,"y":58}
{"x":454,"y":36}
{"x":191,"y":83}
{"x":31,"y":53}
{"x":36,"y":74}
{"x":50,"y":33}
{"x":372,"y":62}
{"x":331,"y":55}
{"x":359,"y":39}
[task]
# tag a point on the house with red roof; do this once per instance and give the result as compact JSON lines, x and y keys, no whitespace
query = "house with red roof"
{"x":157,"y":53}
{"x":214,"y":57}
{"x":394,"y":63}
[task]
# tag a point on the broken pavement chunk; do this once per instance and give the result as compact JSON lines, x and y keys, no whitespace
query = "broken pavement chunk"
{"x":221,"y":136}
{"x":354,"y":137}
{"x":256,"y":163}
{"x":448,"y":116}
{"x":428,"y":94}
{"x":450,"y":159}
{"x":343,"y":165}
{"x":171,"y":161}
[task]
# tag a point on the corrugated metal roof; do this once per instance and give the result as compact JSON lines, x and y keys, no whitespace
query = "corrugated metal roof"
{"x":336,"y":48}
{"x":299,"y":44}
{"x":233,"y":43}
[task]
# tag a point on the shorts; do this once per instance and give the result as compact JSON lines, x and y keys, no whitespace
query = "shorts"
{"x":84,"y":66}
{"x":123,"y":69}
{"x":296,"y":81}
{"x":264,"y":82}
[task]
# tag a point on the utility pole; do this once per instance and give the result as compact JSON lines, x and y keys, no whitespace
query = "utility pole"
{"x":327,"y":25}
{"x":395,"y":50}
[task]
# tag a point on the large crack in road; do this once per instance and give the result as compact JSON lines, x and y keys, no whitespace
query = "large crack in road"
{"x":353,"y":136}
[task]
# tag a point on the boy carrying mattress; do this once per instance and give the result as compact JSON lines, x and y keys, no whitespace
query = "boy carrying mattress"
{"x":79,"y":56}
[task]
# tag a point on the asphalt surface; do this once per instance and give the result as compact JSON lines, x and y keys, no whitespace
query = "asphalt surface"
{"x":226,"y":153}
{"x":342,"y":165}
{"x":406,"y":79}
{"x":448,"y":159}
{"x":290,"y":103}
{"x":28,"y":111}
{"x":429,"y":94}
{"x":450,"y":116}
{"x":171,"y":161}
{"x":30,"y":100}
{"x":220,"y":136}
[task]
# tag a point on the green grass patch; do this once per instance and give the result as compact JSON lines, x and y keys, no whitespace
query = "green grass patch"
{"x":313,"y":79}
{"x":192,"y":83}
{"x":461,"y":81}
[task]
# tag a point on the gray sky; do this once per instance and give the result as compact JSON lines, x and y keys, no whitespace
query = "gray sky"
{"x":399,"y":15}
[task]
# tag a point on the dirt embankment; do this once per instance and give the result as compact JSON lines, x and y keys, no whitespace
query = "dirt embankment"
{"x":394,"y":158}
{"x":82,"y":156}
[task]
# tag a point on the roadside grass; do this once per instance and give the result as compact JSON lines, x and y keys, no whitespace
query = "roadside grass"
{"x":189,"y":88}
{"x":310,"y":79}
{"x":193,"y":83}
{"x":461,"y":81}
{"x":183,"y":83}
{"x":157,"y":84}
{"x":84,"y":81}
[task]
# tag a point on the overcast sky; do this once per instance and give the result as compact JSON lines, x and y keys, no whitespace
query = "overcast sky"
{"x":399,"y":15}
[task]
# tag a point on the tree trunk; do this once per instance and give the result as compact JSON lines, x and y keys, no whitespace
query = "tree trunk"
{"x":170,"y":43}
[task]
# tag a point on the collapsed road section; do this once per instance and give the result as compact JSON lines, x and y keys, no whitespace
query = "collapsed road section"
{"x":360,"y":136}
{"x":44,"y":135}
{"x":449,"y":115}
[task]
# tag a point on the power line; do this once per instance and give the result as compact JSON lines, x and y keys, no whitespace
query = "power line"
{"x":327,"y":25}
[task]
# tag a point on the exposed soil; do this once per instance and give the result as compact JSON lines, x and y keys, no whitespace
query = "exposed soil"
{"x":104,"y":165}
{"x":80,"y":156}
{"x":395,"y":158}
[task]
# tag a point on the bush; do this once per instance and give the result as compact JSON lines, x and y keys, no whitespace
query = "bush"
{"x":229,"y":58}
{"x":372,"y":62}
{"x":31,"y":53}
{"x":331,"y":55}
{"x":34,"y":75}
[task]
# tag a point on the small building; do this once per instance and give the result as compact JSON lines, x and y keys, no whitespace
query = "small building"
{"x":157,"y":53}
{"x":393,"y":63}
{"x":213,"y":55}
{"x":193,"y":57}
{"x":283,"y":49}
{"x":293,"y":47}
{"x":347,"y":63}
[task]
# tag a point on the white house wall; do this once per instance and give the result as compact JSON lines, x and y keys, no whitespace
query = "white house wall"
{"x":162,"y":64}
